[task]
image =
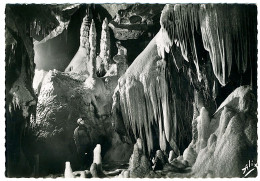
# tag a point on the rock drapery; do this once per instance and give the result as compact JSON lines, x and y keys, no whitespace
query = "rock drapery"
{"x":213,"y":50}
{"x":145,"y":83}
{"x":227,"y":32}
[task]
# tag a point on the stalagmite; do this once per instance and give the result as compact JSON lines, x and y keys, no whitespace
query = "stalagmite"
{"x":96,"y":167}
{"x":97,"y":155}
{"x":68,"y":171}
{"x":84,"y":32}
{"x":92,"y":43}
{"x":203,"y":128}
{"x":105,"y":45}
{"x":139,"y":165}
{"x":79,"y":63}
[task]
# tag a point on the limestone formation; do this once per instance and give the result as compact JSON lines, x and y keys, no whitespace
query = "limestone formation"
{"x":96,"y":167}
{"x":220,"y":151}
{"x":217,"y":25}
{"x":190,"y":94}
{"x":97,"y":156}
{"x":121,"y":59}
{"x":129,"y":21}
{"x":94,"y":170}
{"x":139,"y":165}
{"x":124,"y":33}
{"x":159,"y":160}
{"x":92,"y":56}
{"x":68,"y":171}
{"x":84,"y":62}
{"x":62,"y":100}
{"x":144,"y":83}
{"x":172,"y":155}
{"x":79,"y":63}
{"x":103,"y":64}
{"x":179,"y":163}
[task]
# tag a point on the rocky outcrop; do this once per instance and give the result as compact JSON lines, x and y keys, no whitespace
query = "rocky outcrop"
{"x":62,"y":100}
{"x":227,"y":140}
{"x":23,"y":24}
{"x":20,"y":98}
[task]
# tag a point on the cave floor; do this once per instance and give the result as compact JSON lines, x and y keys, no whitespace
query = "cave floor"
{"x":113,"y":170}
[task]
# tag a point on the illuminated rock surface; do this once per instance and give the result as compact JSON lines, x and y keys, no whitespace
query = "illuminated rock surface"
{"x":62,"y":100}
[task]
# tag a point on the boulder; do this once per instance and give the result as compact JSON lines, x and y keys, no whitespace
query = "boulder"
{"x":63,"y":99}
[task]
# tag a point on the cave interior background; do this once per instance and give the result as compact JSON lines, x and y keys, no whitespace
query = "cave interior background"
{"x":180,"y":59}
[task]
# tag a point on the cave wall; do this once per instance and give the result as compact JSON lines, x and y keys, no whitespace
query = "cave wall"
{"x":23,"y":23}
{"x":20,"y":98}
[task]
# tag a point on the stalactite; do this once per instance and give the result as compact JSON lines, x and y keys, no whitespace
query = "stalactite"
{"x":227,"y":32}
{"x":143,"y":99}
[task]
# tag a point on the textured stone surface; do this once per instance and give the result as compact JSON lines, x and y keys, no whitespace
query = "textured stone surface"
{"x":139,"y":165}
{"x":153,"y":99}
{"x":105,"y":49}
{"x":159,"y":160}
{"x":62,"y":100}
{"x":81,"y":60}
{"x":212,"y":28}
{"x":123,"y":33}
{"x":133,"y":21}
{"x":229,"y":145}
